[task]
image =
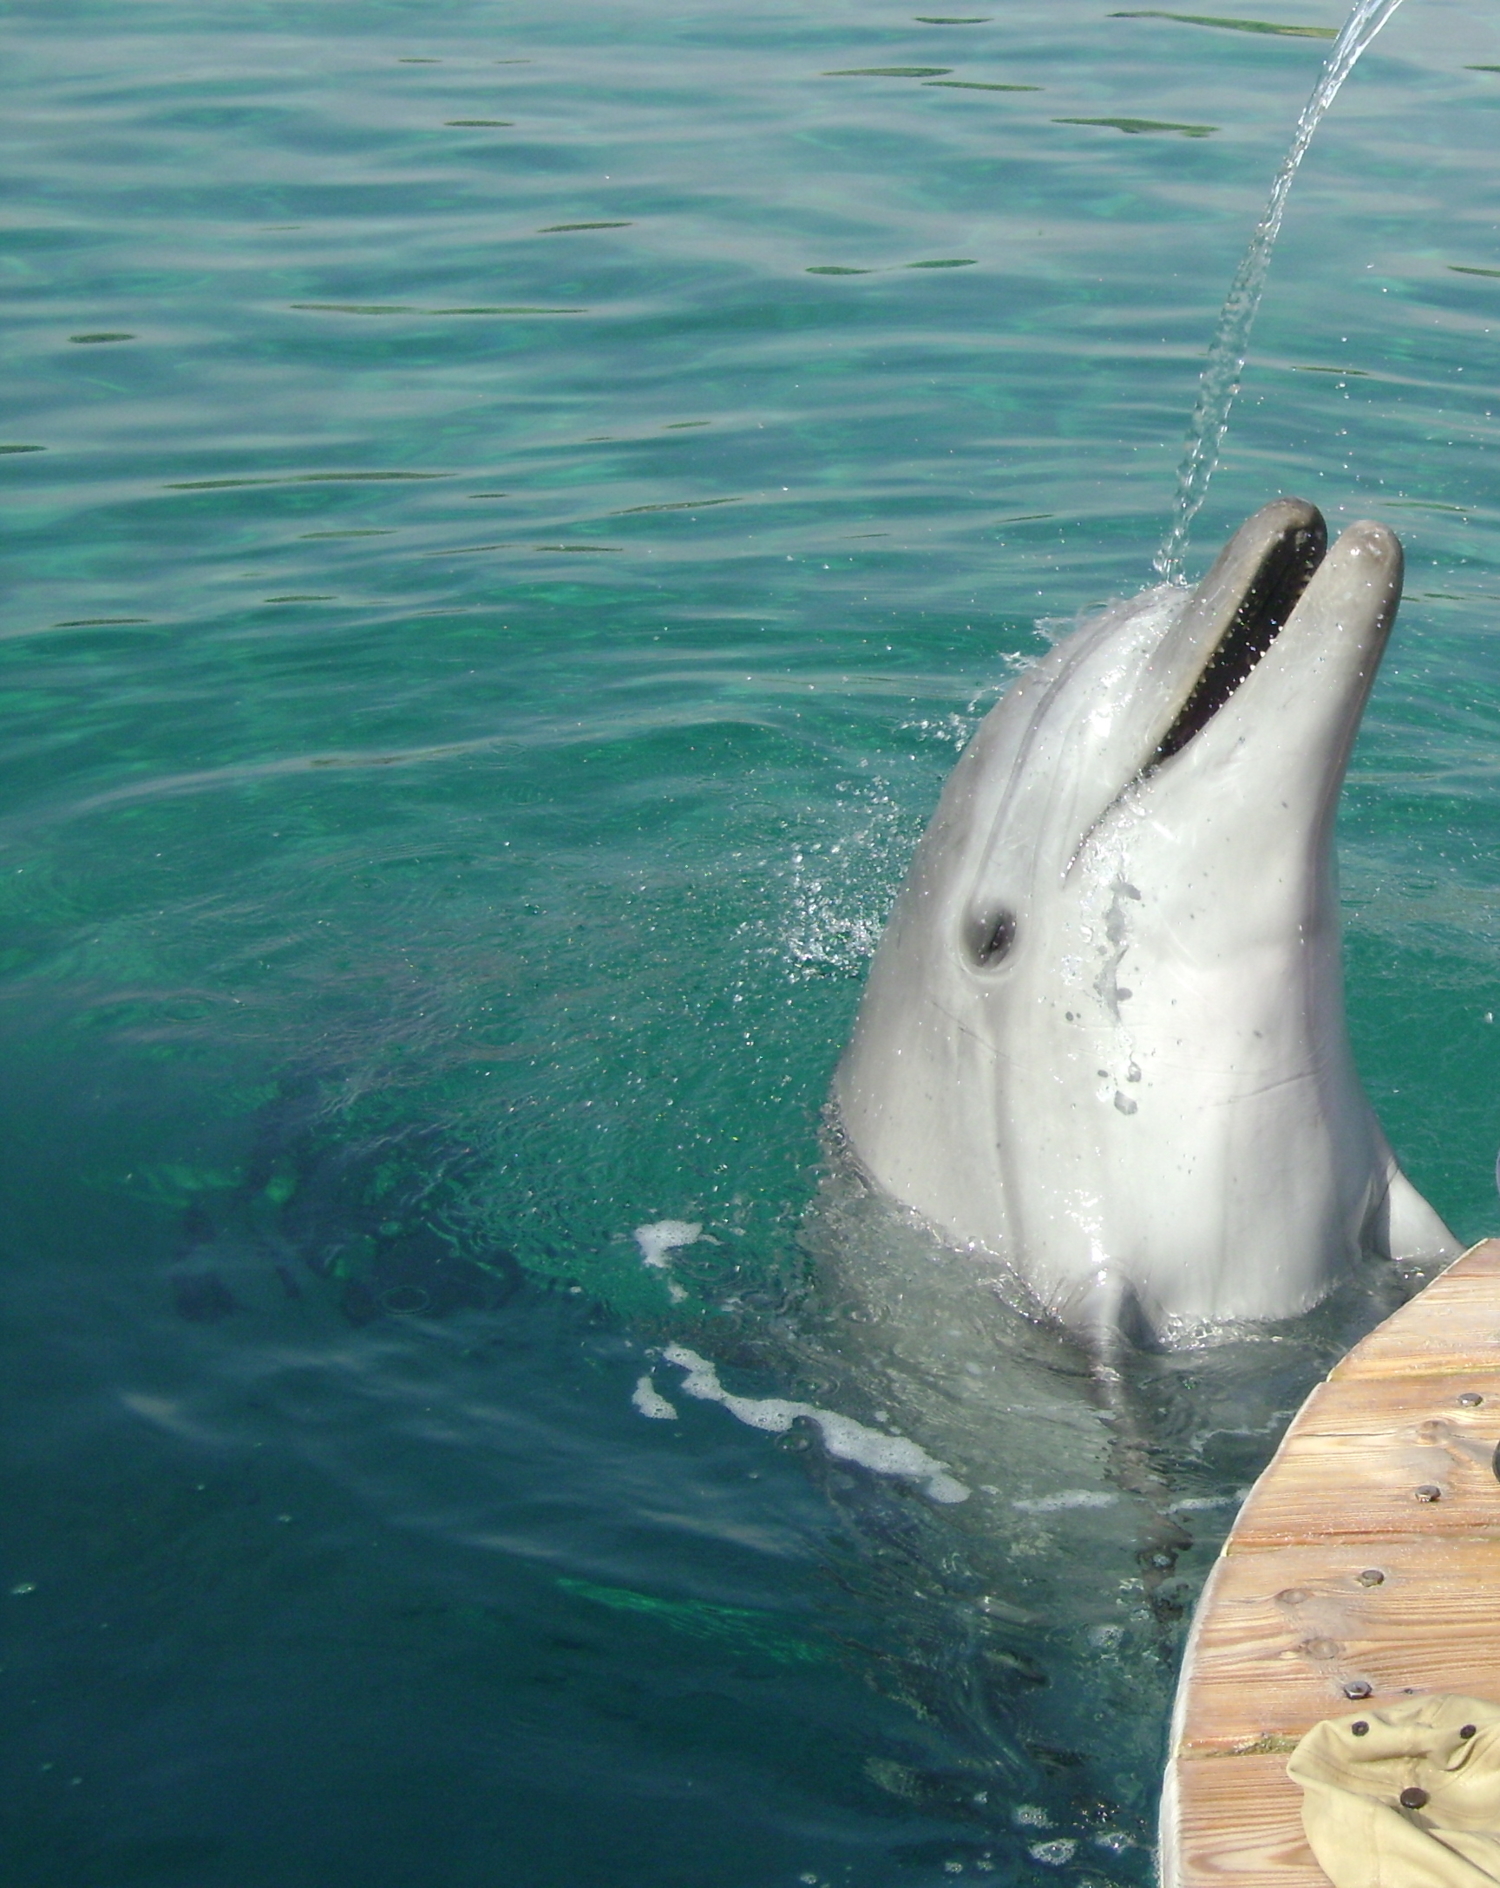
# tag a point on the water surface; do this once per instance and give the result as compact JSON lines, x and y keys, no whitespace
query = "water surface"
{"x":511,"y":516}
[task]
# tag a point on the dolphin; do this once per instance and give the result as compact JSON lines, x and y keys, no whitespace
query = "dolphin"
{"x":1102,"y":1043}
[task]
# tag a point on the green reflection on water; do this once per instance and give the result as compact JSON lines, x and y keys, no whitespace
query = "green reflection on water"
{"x":1278,"y":28}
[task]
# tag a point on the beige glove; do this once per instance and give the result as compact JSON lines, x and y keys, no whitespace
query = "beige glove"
{"x":1407,"y":1796}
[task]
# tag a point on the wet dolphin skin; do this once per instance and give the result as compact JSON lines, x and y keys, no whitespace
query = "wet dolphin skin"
{"x":1103,"y":1035}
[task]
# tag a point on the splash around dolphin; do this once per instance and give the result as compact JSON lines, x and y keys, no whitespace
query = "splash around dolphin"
{"x":1103,"y":1041}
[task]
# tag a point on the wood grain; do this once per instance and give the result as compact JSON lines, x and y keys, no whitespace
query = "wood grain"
{"x":1364,"y":1563}
{"x":1239,"y":1825}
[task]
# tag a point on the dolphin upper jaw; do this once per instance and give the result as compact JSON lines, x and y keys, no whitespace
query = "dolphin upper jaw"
{"x":1103,"y":1036}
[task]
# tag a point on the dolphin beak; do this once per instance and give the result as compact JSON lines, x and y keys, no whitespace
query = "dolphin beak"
{"x":1283,"y":634}
{"x":1233,"y":617}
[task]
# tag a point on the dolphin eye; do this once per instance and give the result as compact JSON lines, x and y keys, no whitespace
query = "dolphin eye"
{"x":992,"y":937}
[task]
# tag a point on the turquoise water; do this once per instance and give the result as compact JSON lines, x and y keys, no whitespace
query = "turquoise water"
{"x":492,"y":605}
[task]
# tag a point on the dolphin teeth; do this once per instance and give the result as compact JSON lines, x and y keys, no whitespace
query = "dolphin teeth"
{"x":1275,"y":586}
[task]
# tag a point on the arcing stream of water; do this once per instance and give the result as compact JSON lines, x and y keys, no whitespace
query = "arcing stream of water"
{"x":1226,"y":356}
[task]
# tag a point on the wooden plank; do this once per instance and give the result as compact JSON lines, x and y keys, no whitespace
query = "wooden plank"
{"x":1454,"y":1324}
{"x":1394,"y":1479}
{"x":1250,"y":1796}
{"x":1349,"y":1405}
{"x":1286,"y":1630}
{"x":1365,"y":1561}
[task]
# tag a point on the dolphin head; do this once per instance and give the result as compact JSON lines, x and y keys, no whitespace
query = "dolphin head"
{"x":1103,"y":1035}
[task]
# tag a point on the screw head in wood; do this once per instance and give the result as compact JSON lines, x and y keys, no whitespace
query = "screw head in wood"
{"x":1429,"y":1491}
{"x":1371,"y":1576}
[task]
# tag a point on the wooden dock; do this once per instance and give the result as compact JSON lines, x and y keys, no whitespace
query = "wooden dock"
{"x":1364,"y":1564}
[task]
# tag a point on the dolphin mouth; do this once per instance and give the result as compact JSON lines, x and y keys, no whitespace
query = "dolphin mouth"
{"x":1241,"y":607}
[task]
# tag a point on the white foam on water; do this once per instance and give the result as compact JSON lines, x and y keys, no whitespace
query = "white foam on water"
{"x":1067,"y":1498}
{"x":664,"y":1236}
{"x":842,"y":1436}
{"x":649,"y":1401}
